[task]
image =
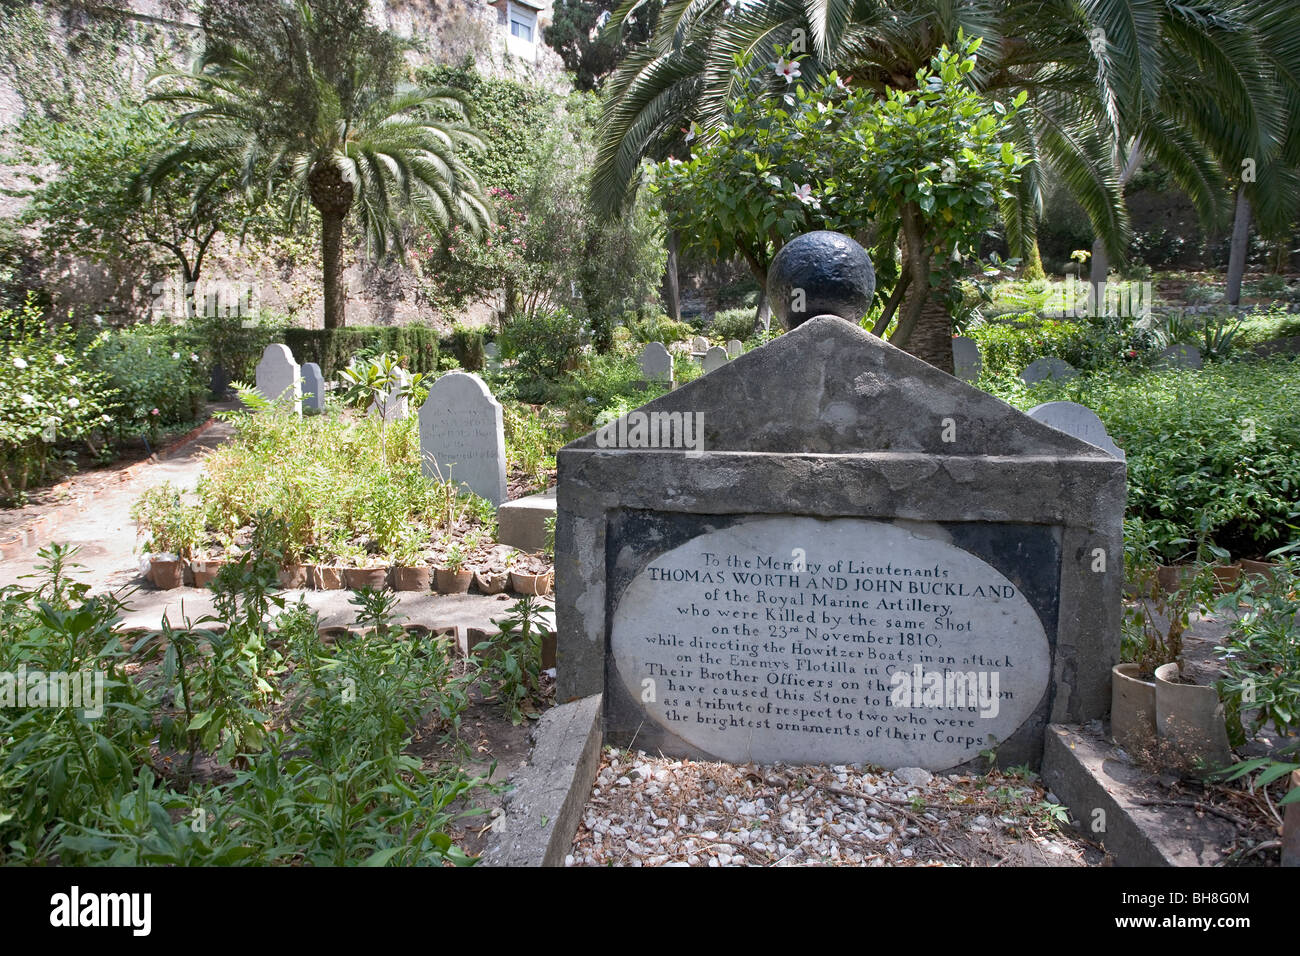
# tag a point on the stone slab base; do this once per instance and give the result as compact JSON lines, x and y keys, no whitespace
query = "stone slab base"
{"x":543,"y":810}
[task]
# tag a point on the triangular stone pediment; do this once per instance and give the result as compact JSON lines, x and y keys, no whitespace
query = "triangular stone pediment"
{"x":831,"y":387}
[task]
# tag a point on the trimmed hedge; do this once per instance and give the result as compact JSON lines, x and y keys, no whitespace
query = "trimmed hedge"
{"x":332,"y":349}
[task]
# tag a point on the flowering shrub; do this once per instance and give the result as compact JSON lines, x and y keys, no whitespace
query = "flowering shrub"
{"x":49,"y":394}
{"x":156,"y":375}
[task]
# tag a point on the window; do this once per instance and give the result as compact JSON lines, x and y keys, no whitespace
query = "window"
{"x":522,"y":30}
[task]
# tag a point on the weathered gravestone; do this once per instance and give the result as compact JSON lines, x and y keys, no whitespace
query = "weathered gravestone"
{"x":1047,"y":367}
{"x":863,"y":560}
{"x":656,"y":363}
{"x":735,"y":347}
{"x":277,"y":376}
{"x":699,"y":345}
{"x":395,"y":406}
{"x":1180,"y":356}
{"x":1077,"y":420}
{"x":462,"y":435}
{"x":714,"y":358}
{"x":966,"y":361}
{"x":313,"y":387}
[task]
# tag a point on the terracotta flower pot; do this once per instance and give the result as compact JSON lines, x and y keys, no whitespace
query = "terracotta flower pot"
{"x":537,"y":584}
{"x":206,"y":570}
{"x":490,"y":582}
{"x":1257,"y":567}
{"x":410,"y":579}
{"x":293,"y":576}
{"x":357,"y":578}
{"x":1132,"y":708}
{"x":1174,"y":577}
{"x":329,"y":577}
{"x":1227,"y":577}
{"x":332,"y":635}
{"x":167,"y":574}
{"x":1191,"y":717}
{"x":452,"y":582}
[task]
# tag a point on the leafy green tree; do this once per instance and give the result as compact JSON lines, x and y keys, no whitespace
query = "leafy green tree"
{"x":548,"y":246}
{"x":301,"y":99}
{"x":590,"y":52}
{"x":98,"y":206}
{"x":927,"y":167}
{"x":1195,"y":82}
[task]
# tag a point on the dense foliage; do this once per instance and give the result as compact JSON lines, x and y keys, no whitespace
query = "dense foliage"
{"x":254,"y":688}
{"x":1213,"y":455}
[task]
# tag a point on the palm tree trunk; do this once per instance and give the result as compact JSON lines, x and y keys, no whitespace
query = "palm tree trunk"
{"x":331,"y":267}
{"x":1240,"y":246}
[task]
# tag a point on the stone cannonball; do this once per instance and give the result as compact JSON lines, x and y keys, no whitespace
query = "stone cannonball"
{"x":820,"y":273}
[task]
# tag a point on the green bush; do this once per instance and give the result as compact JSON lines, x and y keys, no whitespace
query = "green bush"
{"x":545,"y":346}
{"x":467,"y":345}
{"x":733,"y":324}
{"x":157,"y":377}
{"x":236,"y":342}
{"x":50,"y":394}
{"x":603,"y":381}
{"x":659,"y":328}
{"x":1214,"y":452}
{"x":333,"y":349}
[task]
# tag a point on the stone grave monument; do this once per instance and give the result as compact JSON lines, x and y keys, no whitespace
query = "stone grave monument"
{"x":735,"y":347}
{"x":313,"y":388}
{"x":396,"y":404}
{"x":966,"y":361}
{"x":462,"y":435}
{"x":1047,"y":367}
{"x":277,"y":376}
{"x":828,"y":551}
{"x":656,"y":363}
{"x":1077,"y":420}
{"x":1180,"y":356}
{"x":714,"y":358}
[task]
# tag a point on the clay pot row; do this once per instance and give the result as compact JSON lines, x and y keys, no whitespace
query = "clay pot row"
{"x":1190,"y":717}
{"x":322,"y":577}
{"x":1228,"y":576}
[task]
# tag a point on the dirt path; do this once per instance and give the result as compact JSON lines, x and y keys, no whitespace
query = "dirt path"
{"x":102,"y":528}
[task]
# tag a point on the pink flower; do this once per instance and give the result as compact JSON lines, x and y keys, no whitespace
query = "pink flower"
{"x":804,"y":195}
{"x":154,"y":412}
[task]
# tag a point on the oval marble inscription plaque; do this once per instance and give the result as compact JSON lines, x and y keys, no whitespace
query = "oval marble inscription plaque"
{"x":846,"y":640}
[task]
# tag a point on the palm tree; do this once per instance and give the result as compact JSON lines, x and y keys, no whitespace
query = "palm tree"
{"x":328,"y":129}
{"x":1107,"y":82}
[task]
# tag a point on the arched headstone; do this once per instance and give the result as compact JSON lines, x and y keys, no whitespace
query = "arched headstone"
{"x":1047,"y":367}
{"x":1077,"y":420}
{"x":699,"y":344}
{"x":656,"y":363}
{"x":735,"y":348}
{"x":462,"y":435}
{"x":396,"y":405}
{"x":715,"y":357}
{"x":277,"y":376}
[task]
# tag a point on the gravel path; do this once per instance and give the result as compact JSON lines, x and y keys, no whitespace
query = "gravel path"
{"x":654,"y":811}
